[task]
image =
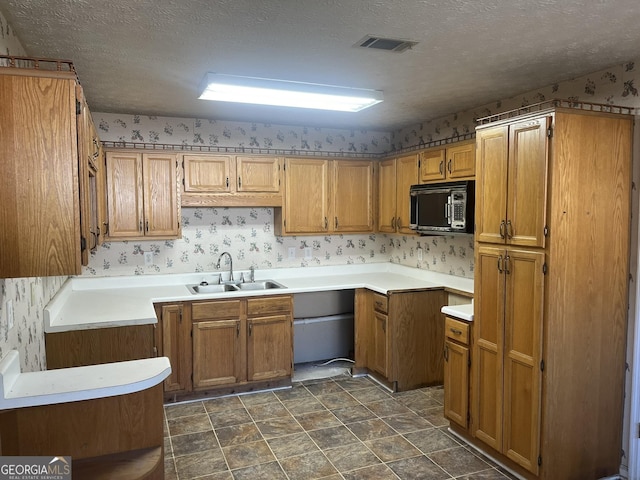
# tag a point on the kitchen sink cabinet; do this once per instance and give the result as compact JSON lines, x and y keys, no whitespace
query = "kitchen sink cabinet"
{"x":143,"y":199}
{"x":175,"y":343}
{"x":231,"y":180}
{"x":457,"y":361}
{"x":241,"y":341}
{"x":326,"y":196}
{"x":455,"y":162}
{"x":399,"y":337}
{"x":551,"y":290}
{"x":40,"y":232}
{"x":394,"y":180}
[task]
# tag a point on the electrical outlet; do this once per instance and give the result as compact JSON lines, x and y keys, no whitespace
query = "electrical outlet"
{"x":10,"y":319}
{"x":292,"y":253}
{"x":33,"y":293}
{"x":148,"y":259}
{"x":419,"y":254}
{"x":307,"y":253}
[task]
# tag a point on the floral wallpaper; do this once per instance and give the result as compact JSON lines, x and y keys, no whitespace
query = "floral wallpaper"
{"x":9,"y":42}
{"x":247,"y":233}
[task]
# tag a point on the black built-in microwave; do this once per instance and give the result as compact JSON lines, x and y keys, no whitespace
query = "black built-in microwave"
{"x":442,"y":208}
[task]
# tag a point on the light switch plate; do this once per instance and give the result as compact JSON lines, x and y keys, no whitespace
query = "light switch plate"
{"x":292,"y":253}
{"x":10,"y":319}
{"x":148,"y":259}
{"x":419,"y":254}
{"x":307,"y":253}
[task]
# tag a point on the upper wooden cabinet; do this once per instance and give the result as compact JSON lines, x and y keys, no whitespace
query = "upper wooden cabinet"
{"x":394,"y":207}
{"x":326,"y":196}
{"x":511,"y":192}
{"x":455,"y":162}
{"x":142,"y":195}
{"x":39,"y":193}
{"x":231,"y":180}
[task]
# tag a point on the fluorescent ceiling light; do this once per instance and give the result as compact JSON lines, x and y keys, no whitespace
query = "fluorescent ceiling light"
{"x":264,"y":91}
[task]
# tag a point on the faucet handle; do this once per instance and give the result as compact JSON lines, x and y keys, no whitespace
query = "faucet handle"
{"x":252,"y":274}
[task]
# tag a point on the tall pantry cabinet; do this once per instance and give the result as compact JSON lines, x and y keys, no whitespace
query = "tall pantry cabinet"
{"x":553,"y":194}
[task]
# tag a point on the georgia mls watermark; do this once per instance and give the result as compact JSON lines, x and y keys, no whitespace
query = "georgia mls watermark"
{"x":35,"y":468}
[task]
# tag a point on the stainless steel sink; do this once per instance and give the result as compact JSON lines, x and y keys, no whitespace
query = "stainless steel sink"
{"x":234,"y":287}
{"x":195,"y":289}
{"x":260,"y":285}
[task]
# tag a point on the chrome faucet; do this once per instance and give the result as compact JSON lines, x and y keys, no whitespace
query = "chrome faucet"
{"x":230,"y":264}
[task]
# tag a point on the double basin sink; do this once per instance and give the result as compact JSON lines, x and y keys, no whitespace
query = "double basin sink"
{"x":234,"y":286}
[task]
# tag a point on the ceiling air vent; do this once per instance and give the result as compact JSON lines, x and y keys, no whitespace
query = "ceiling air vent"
{"x":388,"y":44}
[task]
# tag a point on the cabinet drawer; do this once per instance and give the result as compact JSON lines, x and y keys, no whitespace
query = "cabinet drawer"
{"x":456,"y":330}
{"x":380,"y":303}
{"x":217,"y":309}
{"x":260,"y":305}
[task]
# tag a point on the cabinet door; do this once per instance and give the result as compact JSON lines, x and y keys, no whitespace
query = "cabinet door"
{"x":269,"y":347}
{"x":217,"y":353}
{"x":381,"y":344}
{"x":456,"y":382}
{"x":492,"y":148}
{"x":522,"y":354}
{"x":461,"y":161}
{"x":527,"y":183}
{"x":160,"y":177}
{"x":258,"y":174}
{"x":175,"y":331}
{"x":208,"y":173}
{"x":352,"y":196}
{"x":432,"y":165}
{"x":406,"y":175}
{"x":306,"y":202}
{"x":488,"y":328}
{"x":124,"y":194}
{"x":387,"y":196}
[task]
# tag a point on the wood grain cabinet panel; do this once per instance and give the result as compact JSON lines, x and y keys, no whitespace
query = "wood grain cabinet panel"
{"x":455,"y":162}
{"x":394,"y":180}
{"x":217,"y":353}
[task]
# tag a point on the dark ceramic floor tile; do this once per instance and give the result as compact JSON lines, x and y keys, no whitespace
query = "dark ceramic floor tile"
{"x":237,"y":434}
{"x":437,"y":393}
{"x":297,"y":392}
{"x":417,"y":468}
{"x":370,"y":394}
{"x":309,"y":466}
{"x":333,"y":436}
{"x":351,"y":458}
{"x":490,"y":474}
{"x":201,"y":463}
{"x":434,"y":416}
{"x":392,"y":448}
{"x":190,"y":424}
{"x":324,"y":388}
{"x":277,"y":427}
{"x":258,"y":398}
{"x":264,"y":471}
{"x":376,"y":472}
{"x":222,"y":404}
{"x":337,"y":400}
{"x":371,"y":429}
{"x":304,"y":405}
{"x":170,"y":469}
{"x":386,"y":408}
{"x":357,"y":413}
{"x":431,"y":440}
{"x":266,"y":411}
{"x":227,"y":418}
{"x":217,"y":476}
{"x":193,"y":442}
{"x":248,"y":454}
{"x":358,"y":383}
{"x":458,"y":461}
{"x":419,"y":402}
{"x":291,"y":445}
{"x":317,"y":420}
{"x":183,"y":410}
{"x":168,"y":449}
{"x":407,"y":422}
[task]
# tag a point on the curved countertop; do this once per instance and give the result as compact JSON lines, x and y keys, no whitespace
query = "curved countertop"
{"x":100,"y":302}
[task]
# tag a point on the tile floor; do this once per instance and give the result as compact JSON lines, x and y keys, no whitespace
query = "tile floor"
{"x":335,"y":428}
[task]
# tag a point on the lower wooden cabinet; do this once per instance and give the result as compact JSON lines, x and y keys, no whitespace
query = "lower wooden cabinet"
{"x":399,"y":337}
{"x":456,"y":371}
{"x":175,"y":343}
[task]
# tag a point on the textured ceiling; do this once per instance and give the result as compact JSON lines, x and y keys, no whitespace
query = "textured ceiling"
{"x":148,"y":56}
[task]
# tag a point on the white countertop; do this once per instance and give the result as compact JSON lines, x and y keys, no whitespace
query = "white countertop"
{"x":100,"y":302}
{"x":461,"y":312}
{"x":78,"y":383}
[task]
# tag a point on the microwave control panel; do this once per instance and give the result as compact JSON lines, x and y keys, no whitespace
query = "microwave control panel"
{"x":458,"y":201}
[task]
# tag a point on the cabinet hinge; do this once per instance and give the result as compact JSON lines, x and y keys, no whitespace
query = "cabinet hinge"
{"x":544,"y":268}
{"x":539,"y":460}
{"x":546,"y":231}
{"x":550,"y":132}
{"x":183,"y":184}
{"x":78,"y":108}
{"x":542,"y":365}
{"x":83,"y":244}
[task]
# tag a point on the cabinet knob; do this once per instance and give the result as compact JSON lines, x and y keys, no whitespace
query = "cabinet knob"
{"x":449,"y":166}
{"x":441,"y":167}
{"x":502,"y":227}
{"x":336,"y":222}
{"x":500,"y":264}
{"x":326,"y":223}
{"x":509,"y":229}
{"x":445,"y":354}
{"x":393,"y":223}
{"x":239,"y":182}
{"x":455,"y":331}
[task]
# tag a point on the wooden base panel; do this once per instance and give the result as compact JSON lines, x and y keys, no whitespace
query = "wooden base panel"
{"x":172,"y":397}
{"x":147,"y":464}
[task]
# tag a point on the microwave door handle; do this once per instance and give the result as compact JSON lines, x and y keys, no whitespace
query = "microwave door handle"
{"x":449,"y":210}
